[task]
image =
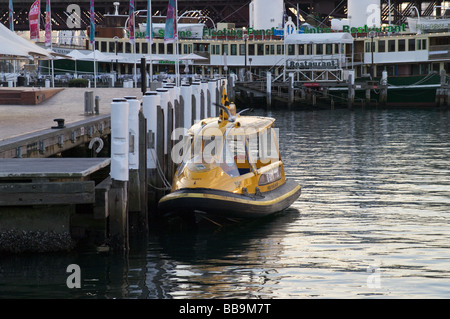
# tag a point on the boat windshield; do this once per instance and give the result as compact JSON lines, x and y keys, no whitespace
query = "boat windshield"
{"x":205,"y":152}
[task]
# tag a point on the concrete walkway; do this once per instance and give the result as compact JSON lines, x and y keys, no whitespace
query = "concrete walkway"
{"x":16,"y":120}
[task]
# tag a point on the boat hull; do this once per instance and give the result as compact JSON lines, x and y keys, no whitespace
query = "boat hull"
{"x":228,"y":205}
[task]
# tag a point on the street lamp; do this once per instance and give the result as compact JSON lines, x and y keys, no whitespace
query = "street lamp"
{"x":372,"y":35}
{"x":245,"y":46}
{"x":116,"y":39}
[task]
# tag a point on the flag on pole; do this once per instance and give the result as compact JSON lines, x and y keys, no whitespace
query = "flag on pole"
{"x":33,"y":20}
{"x":149,"y":29}
{"x":11,"y":16}
{"x":131,"y":22}
{"x":170,"y":31}
{"x":92,"y":28}
{"x":48,"y":24}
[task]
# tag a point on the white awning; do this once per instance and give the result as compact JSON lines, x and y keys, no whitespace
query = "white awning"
{"x":326,"y":38}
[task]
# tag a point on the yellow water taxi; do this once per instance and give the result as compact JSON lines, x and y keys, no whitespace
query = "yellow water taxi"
{"x":231,"y":168}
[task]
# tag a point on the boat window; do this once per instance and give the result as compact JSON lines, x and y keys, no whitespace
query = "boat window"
{"x":161,"y":48}
{"x":291,"y":49}
{"x":120,"y":47}
{"x":251,"y":49}
{"x":260,"y":49}
{"x":234,"y":49}
{"x":170,"y":48}
{"x":336,"y":48}
{"x":280,"y":49}
{"x":145,"y":48}
{"x":401,"y":45}
{"x":319,"y":48}
{"x":301,"y":49}
{"x":103,"y":46}
{"x":412,"y":45}
{"x":127,"y":47}
{"x":391,"y":46}
{"x":381,"y":46}
{"x":241,"y":49}
{"x":329,"y":49}
{"x":138,"y":47}
{"x":225,"y":49}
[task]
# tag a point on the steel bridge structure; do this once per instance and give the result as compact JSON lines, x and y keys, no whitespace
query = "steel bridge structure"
{"x":229,"y":11}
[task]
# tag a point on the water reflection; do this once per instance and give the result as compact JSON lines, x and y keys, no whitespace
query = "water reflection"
{"x":372,"y":221}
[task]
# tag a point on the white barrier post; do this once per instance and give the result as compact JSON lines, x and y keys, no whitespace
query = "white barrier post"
{"x":212,"y":86}
{"x":133,"y":127}
{"x":196,"y":92}
{"x":186,"y":93}
{"x":204,"y":87}
{"x":119,"y":140}
{"x":165,"y":98}
{"x":150,"y":101}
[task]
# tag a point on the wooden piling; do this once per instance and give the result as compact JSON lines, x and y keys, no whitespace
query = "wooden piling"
{"x":118,"y":215}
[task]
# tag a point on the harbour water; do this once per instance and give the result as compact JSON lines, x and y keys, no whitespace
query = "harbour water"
{"x":373,"y":221}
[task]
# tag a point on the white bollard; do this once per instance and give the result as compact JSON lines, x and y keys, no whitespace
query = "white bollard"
{"x":186,"y":93}
{"x":204,"y":87}
{"x":119,"y":140}
{"x":165,"y":98}
{"x":133,"y":128}
{"x":196,"y":89}
{"x":150,"y":101}
{"x":212,"y":87}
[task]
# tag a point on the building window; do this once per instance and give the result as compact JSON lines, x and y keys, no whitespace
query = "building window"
{"x":301,"y":49}
{"x":103,"y":46}
{"x":391,"y":46}
{"x":291,"y":49}
{"x":422,"y":44}
{"x":280,"y":49}
{"x":144,"y":47}
{"x":242,"y":49}
{"x":411,"y":45}
{"x":329,"y":49}
{"x":161,"y":48}
{"x":170,"y":48}
{"x":225,"y":49}
{"x":319,"y":48}
{"x":127,"y":47}
{"x":234,"y":49}
{"x":251,"y":49}
{"x":381,"y":46}
{"x":260,"y":49}
{"x":402,"y":45}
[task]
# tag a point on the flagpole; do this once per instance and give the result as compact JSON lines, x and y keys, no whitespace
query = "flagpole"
{"x":134,"y":51}
{"x":51,"y":42}
{"x":177,"y":66}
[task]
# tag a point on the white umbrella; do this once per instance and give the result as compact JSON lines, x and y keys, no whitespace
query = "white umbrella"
{"x":193,"y":56}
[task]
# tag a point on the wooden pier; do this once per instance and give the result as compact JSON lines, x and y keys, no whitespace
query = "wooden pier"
{"x":56,"y":191}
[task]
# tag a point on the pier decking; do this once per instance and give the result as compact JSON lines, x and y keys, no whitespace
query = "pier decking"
{"x":26,"y":130}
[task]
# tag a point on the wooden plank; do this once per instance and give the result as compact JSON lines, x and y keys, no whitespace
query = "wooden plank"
{"x":50,"y":193}
{"x":51,"y":167}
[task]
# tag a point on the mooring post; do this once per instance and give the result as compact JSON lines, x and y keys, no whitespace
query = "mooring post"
{"x":212,"y":87}
{"x":134,"y":187}
{"x":351,"y":91}
{"x":269,"y":90}
{"x":150,"y":101}
{"x":204,"y":87}
{"x":196,"y":88}
{"x":186,"y":94}
{"x":88,"y":103}
{"x":118,"y":194}
{"x":165,"y":99}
